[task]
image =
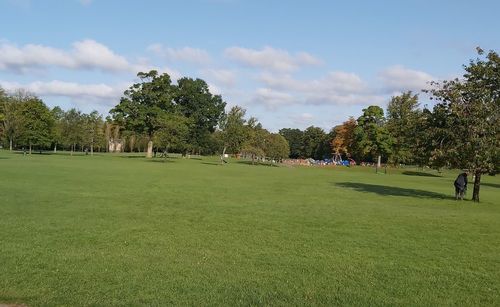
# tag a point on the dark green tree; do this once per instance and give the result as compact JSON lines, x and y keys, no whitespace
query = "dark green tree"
{"x":205,"y":110}
{"x":472,"y":108}
{"x":371,"y":135}
{"x":11,"y":122}
{"x":173,"y":132}
{"x":295,"y":138}
{"x":73,"y":127}
{"x":315,"y":143}
{"x":402,"y":117}
{"x":276,"y":147}
{"x":57,"y":128}
{"x":37,"y":123}
{"x":144,"y":103}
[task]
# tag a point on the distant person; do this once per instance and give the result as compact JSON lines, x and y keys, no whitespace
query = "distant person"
{"x":460,"y":186}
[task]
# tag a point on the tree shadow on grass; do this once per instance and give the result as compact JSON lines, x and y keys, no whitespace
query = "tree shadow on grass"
{"x":160,"y":160}
{"x":133,"y":156}
{"x":493,"y":185}
{"x":423,"y":174}
{"x":211,"y":163}
{"x":257,"y":163}
{"x":391,"y":191}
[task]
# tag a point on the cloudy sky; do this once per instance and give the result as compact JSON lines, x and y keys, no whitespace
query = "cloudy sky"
{"x":289,"y":63}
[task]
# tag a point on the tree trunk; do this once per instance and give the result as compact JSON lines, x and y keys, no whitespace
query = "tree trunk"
{"x":55,"y":148}
{"x":72,"y":148}
{"x":149,"y":154}
{"x":379,"y":160}
{"x":10,"y":144}
{"x":477,"y":185}
{"x":92,"y":149}
{"x":30,"y":148}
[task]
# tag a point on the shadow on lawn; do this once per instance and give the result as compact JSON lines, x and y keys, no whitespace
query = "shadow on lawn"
{"x":133,"y":156}
{"x":211,"y":163}
{"x":257,"y":163}
{"x":423,"y":174}
{"x":160,"y":160}
{"x":493,"y":185}
{"x":391,"y":191}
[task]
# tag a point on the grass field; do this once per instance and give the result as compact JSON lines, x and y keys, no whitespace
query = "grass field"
{"x":122,"y":230}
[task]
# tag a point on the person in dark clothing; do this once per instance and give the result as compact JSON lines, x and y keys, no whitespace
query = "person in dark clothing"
{"x":460,"y":186}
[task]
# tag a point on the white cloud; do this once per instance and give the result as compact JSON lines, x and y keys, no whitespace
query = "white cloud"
{"x":85,"y":54}
{"x":336,"y":88}
{"x":69,"y":89}
{"x":334,"y":82}
{"x":398,"y":78}
{"x":271,"y":59}
{"x":272,"y":98}
{"x":91,"y":54}
{"x":224,"y":77}
{"x":302,"y":119}
{"x":186,"y":54}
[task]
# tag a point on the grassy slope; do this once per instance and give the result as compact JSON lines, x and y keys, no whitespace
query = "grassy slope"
{"x":112,"y":230}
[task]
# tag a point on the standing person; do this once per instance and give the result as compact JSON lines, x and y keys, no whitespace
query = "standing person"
{"x":460,"y":186}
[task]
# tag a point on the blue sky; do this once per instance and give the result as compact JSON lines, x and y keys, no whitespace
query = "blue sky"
{"x":289,"y":63}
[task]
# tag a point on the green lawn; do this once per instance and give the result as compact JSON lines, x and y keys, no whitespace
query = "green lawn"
{"x":122,"y":230}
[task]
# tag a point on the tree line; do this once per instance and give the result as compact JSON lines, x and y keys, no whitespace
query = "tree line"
{"x":460,"y":131}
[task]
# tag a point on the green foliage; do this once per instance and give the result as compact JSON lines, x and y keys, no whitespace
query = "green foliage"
{"x":37,"y":123}
{"x":234,"y":130}
{"x":402,"y":123}
{"x":11,"y":122}
{"x":255,"y":143}
{"x":144,"y":103}
{"x":371,"y":135}
{"x":469,"y":110}
{"x":92,"y":130}
{"x":173,"y":132}
{"x":295,"y":138}
{"x":72,"y":123}
{"x":205,"y":110}
{"x":315,"y":143}
{"x":276,"y":147}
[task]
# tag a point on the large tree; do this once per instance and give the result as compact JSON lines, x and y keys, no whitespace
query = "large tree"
{"x":315,"y":143}
{"x":93,"y":130}
{"x":402,"y":117}
{"x":295,"y":138}
{"x":195,"y":101}
{"x":343,"y":140}
{"x":73,"y":127}
{"x":372,"y":138}
{"x":276,"y":147}
{"x":234,"y":131}
{"x":173,"y":132}
{"x":57,"y":128}
{"x":144,"y":103}
{"x":472,"y":105}
{"x":37,"y":123}
{"x":10,"y":120}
